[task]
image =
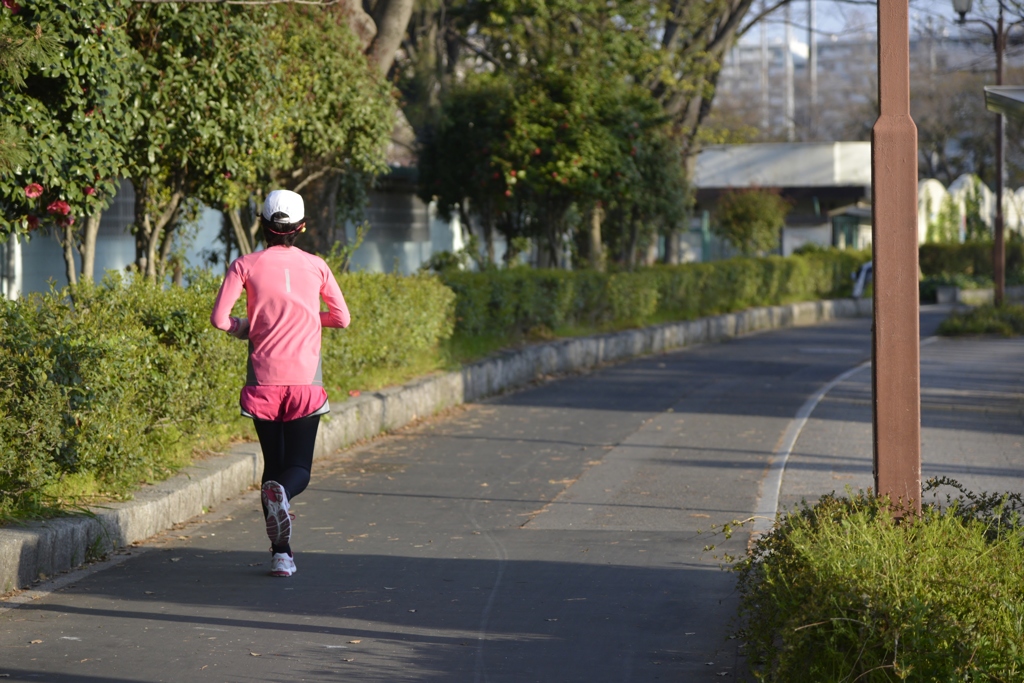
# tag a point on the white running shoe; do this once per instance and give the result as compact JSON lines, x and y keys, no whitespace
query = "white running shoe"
{"x":282,"y":564}
{"x":279,"y":521}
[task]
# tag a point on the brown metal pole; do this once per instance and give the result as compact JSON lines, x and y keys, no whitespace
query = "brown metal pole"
{"x":896,"y":372}
{"x":999,"y":246}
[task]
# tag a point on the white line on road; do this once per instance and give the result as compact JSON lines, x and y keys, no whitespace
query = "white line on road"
{"x":771,"y":485}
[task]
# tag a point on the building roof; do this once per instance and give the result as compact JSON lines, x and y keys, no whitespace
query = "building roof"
{"x":794,"y":164}
{"x":1005,"y":99}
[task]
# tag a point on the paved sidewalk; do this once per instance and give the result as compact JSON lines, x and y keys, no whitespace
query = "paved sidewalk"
{"x":972,"y":424}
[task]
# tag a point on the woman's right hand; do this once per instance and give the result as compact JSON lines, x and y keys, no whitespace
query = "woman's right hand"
{"x":239,"y":328}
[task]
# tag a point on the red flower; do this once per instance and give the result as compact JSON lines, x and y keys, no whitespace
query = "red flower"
{"x":60,"y":207}
{"x":512,"y":173}
{"x":33,"y":222}
{"x":66,"y":220}
{"x":227,"y":175}
{"x":89,"y":191}
{"x":508,"y":193}
{"x":13,"y":6}
{"x":536,"y":152}
{"x":33,"y":190}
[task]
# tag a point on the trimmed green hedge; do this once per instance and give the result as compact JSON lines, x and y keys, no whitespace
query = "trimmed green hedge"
{"x":521,"y":299}
{"x":969,"y":258}
{"x":121,"y":385}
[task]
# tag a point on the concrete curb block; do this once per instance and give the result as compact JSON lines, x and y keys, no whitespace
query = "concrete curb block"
{"x":45,"y":548}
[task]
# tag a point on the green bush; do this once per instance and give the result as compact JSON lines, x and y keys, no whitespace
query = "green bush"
{"x":122,"y":384}
{"x":750,"y":219}
{"x":1006,"y":321}
{"x":969,"y":258}
{"x":111,"y":388}
{"x":518,"y":300}
{"x":394,"y":319}
{"x":839,"y":591}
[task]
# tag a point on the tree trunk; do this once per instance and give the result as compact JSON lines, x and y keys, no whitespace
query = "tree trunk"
{"x":244,"y":245}
{"x":13,"y":284}
{"x":672,"y":246}
{"x":634,"y":238}
{"x":595,"y":250}
{"x":392,"y":18}
{"x":362,"y":25}
{"x":149,"y":235}
{"x":92,"y":229}
{"x":68,"y":242}
{"x":166,"y":243}
{"x":488,"y":227}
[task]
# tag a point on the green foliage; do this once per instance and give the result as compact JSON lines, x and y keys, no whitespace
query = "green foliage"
{"x":117,"y":386}
{"x":20,"y":50}
{"x":1005,"y":321}
{"x":975,"y":229}
{"x":945,"y":229}
{"x":394,"y":320}
{"x":210,"y":121}
{"x":750,"y":220}
{"x":121,"y":386}
{"x":561,"y":120}
{"x":340,"y":112}
{"x":518,"y":300}
{"x":970,"y":258}
{"x":68,"y":73}
{"x":840,"y":591}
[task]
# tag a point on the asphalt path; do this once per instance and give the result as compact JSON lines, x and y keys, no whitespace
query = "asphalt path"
{"x":555,"y":534}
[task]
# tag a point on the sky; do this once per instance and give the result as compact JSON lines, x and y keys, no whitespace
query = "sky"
{"x":846,"y":19}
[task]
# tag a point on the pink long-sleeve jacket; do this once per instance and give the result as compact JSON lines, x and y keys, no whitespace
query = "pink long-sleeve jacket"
{"x":283,"y":286}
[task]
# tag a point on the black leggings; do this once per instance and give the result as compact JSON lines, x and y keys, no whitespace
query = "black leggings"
{"x":288,"y":451}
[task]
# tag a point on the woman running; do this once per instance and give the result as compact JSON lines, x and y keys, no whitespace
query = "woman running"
{"x":283,"y":392}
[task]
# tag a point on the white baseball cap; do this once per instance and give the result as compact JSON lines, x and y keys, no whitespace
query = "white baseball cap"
{"x":284,"y":201}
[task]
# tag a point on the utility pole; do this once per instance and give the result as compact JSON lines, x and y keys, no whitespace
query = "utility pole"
{"x":896,"y":354}
{"x":766,"y":121}
{"x":787,"y":55}
{"x":812,"y":68}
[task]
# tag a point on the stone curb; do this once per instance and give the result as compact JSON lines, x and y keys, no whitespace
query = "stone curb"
{"x":45,"y":548}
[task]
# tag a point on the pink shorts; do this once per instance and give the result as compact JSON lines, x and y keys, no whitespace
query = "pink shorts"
{"x":278,"y":403}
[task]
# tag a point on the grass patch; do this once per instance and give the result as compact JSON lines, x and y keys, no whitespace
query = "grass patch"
{"x":1006,"y":321}
{"x":839,"y":591}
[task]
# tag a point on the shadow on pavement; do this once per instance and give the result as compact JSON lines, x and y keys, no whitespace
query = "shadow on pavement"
{"x":395,"y":618}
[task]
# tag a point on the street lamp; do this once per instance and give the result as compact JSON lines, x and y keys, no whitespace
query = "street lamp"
{"x":999,"y":34}
{"x":962,"y":7}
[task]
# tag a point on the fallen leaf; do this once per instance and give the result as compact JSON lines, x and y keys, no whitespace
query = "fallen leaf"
{"x":149,"y":592}
{"x":255,"y":654}
{"x":355,"y":642}
{"x":412,"y":610}
{"x":175,"y":559}
{"x":347,"y":659}
{"x":35,"y":642}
